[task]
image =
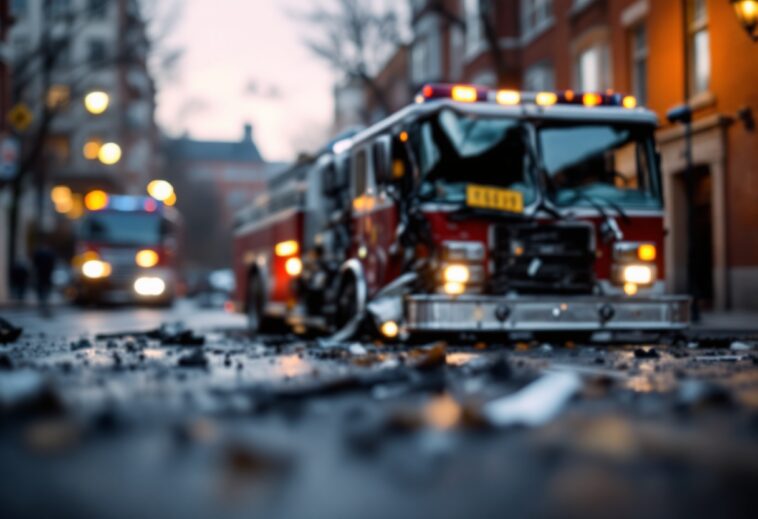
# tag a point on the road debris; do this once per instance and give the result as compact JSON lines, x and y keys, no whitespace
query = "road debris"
{"x":536,"y":404}
{"x":646,"y":353}
{"x":168,"y":334}
{"x":8,"y":332}
{"x":194,"y":359}
{"x":741,"y":346}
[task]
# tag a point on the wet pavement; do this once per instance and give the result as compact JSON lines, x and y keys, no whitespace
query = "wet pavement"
{"x":201,"y":420}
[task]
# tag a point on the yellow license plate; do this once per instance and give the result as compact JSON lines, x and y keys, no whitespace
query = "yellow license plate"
{"x":494,"y":198}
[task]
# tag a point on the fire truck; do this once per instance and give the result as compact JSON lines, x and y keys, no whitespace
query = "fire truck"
{"x":126,"y":251}
{"x":471,"y":211}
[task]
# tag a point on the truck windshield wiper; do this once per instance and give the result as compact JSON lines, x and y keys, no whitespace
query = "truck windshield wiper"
{"x":610,"y":228}
{"x":596,"y":203}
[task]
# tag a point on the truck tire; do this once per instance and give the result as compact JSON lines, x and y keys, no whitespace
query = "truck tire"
{"x":347,"y":301}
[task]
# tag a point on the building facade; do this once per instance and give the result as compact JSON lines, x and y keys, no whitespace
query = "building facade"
{"x":213,"y":180}
{"x":63,"y":50}
{"x":664,"y":52}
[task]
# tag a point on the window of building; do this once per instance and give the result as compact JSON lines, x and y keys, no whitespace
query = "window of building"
{"x":536,"y":15}
{"x":97,"y":8}
{"x":58,"y":149}
{"x":592,"y":69}
{"x":539,"y":77}
{"x":419,"y":53}
{"x":59,"y":8}
{"x":474,"y":28}
{"x":698,"y":45}
{"x":457,"y":42}
{"x":639,"y":54}
{"x":578,"y":4}
{"x":97,"y":52}
{"x":58,"y":96}
{"x":18,"y":8}
{"x":426,"y":53}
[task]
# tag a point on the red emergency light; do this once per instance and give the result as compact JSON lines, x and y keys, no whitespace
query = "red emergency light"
{"x":478,"y":94}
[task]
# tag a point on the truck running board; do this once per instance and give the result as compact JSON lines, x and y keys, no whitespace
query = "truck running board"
{"x":441,"y":313}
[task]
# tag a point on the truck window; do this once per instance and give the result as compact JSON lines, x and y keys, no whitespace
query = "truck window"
{"x":359,"y":174}
{"x":600,"y":162}
{"x":456,"y":150}
{"x":381,"y":159}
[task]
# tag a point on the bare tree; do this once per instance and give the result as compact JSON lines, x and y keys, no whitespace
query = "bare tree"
{"x":487,"y":10}
{"x":161,"y":20}
{"x":356,"y":37}
{"x":487,"y":15}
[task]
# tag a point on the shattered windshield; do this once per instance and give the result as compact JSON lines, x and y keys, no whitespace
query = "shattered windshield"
{"x":457,"y":150}
{"x":587,"y":164}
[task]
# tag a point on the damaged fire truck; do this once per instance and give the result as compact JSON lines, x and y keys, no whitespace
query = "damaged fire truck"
{"x":471,"y":211}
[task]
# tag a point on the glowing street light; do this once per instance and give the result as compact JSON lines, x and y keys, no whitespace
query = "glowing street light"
{"x":160,"y":190}
{"x":91,"y":149}
{"x":96,"y":200}
{"x":109,"y":153}
{"x":96,"y":102}
{"x":171,"y":200}
{"x":747,"y":13}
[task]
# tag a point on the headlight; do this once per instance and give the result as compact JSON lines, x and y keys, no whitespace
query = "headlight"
{"x":637,"y":274}
{"x":146,"y":258}
{"x":149,"y":286}
{"x":293,"y":266}
{"x":96,"y":269}
{"x":456,"y":274}
{"x":454,"y":289}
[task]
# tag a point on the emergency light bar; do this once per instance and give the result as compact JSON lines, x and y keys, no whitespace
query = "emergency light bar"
{"x":126,"y":203}
{"x":477,"y":94}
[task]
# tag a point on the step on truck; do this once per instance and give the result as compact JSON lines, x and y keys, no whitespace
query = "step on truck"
{"x":471,"y":211}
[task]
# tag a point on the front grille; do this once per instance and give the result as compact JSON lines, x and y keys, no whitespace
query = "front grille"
{"x":543,"y":259}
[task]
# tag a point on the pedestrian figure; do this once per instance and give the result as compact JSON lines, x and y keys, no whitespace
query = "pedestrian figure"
{"x":44,"y":263}
{"x":19,"y":280}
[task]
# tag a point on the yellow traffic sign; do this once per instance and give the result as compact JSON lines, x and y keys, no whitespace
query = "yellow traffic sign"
{"x":20,"y":117}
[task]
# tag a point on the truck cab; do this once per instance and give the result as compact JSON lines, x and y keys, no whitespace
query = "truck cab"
{"x":477,"y":210}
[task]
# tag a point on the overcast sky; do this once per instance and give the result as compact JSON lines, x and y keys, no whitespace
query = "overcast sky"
{"x":244,"y":61}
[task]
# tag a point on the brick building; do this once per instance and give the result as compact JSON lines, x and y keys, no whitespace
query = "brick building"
{"x":666,"y":53}
{"x":213,"y":180}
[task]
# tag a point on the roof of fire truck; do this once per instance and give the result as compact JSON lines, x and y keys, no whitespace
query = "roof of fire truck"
{"x":483,"y":101}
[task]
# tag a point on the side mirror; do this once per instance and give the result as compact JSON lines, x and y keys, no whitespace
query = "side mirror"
{"x":382,"y":166}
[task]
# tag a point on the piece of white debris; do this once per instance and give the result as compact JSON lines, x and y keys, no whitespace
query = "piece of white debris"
{"x":537,"y":403}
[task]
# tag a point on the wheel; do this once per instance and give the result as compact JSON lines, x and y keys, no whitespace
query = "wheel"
{"x":347,"y":301}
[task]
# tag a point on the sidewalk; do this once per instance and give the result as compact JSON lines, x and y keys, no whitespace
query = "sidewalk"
{"x":742,"y":321}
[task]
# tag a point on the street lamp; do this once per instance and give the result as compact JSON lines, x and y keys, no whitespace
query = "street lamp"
{"x":96,"y":102}
{"x":747,"y":13}
{"x":109,"y":153}
{"x":160,"y":190}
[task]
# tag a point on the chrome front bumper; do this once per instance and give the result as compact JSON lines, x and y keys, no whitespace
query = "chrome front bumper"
{"x":474,"y":313}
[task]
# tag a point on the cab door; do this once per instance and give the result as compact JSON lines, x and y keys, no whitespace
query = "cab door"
{"x":363,"y":200}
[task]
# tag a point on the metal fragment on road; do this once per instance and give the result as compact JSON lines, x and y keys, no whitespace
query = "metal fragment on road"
{"x":537,"y":403}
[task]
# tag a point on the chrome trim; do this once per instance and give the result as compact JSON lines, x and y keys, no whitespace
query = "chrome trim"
{"x":355,"y":266}
{"x":470,"y":313}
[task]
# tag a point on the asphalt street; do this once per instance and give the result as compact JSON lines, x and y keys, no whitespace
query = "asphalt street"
{"x":105,"y":414}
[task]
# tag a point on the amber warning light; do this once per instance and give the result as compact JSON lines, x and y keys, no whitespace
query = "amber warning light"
{"x":477,"y":94}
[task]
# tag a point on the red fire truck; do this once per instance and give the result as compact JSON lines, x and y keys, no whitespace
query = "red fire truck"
{"x":471,"y":211}
{"x":126,"y":251}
